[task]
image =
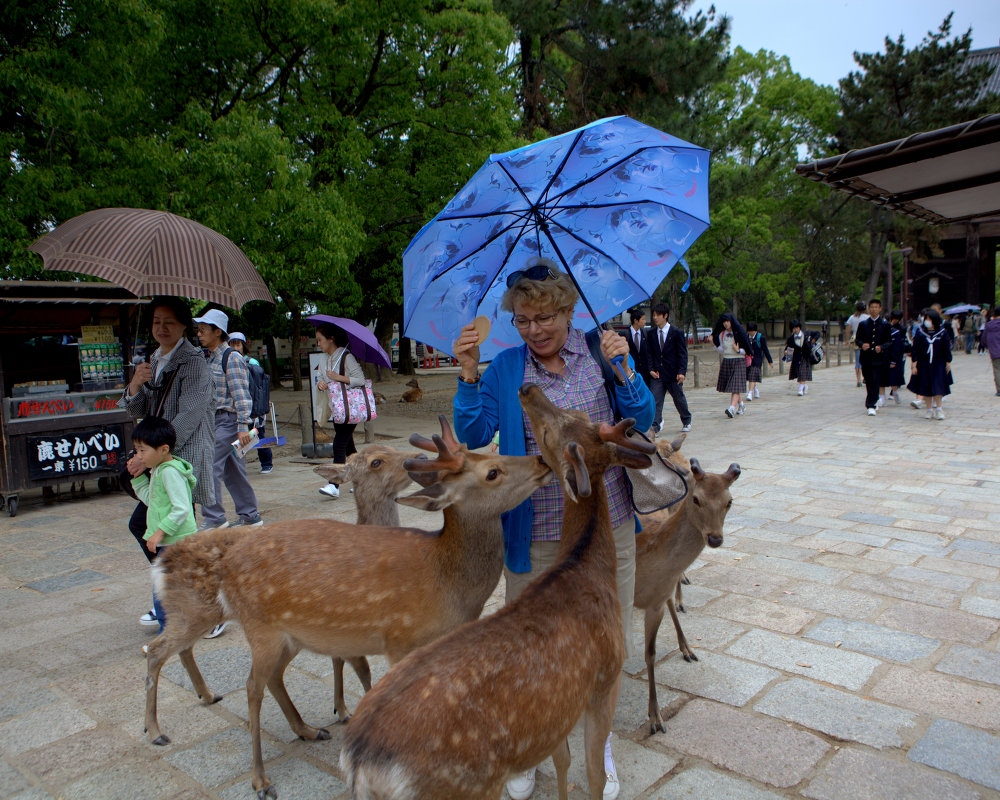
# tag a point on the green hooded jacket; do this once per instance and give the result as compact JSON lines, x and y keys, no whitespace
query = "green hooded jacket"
{"x":167,"y":495}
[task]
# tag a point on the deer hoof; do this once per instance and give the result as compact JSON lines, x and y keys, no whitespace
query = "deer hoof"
{"x":322,"y":734}
{"x":211,"y":700}
{"x":686,"y":580}
{"x":656,"y":727}
{"x":270,"y":793}
{"x":161,"y":740}
{"x":682,"y":609}
{"x":690,"y":657}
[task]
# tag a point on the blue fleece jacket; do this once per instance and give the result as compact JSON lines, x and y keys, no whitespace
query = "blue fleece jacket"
{"x":479,"y":410}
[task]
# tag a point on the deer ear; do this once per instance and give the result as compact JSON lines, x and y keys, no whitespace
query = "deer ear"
{"x":675,"y":445}
{"x":430,"y":498}
{"x":424,"y":478}
{"x":576,"y":481}
{"x":696,"y":470}
{"x":336,"y":473}
{"x":733,"y":472}
{"x":631,"y":459}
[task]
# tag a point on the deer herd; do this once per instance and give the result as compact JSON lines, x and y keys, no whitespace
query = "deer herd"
{"x":439,"y":724}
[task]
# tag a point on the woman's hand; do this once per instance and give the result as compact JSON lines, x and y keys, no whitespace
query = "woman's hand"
{"x":613,"y":345}
{"x":466,"y":350}
{"x":336,"y":376}
{"x":322,"y":385}
{"x":143,"y":372}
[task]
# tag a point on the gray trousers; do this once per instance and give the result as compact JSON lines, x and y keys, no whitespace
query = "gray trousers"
{"x":543,"y":556}
{"x":996,"y":373}
{"x":231,"y":470}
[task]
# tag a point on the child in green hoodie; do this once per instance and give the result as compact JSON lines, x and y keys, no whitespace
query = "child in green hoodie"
{"x":166,"y":492}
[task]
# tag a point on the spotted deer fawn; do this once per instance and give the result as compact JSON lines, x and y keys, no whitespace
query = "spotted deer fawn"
{"x":341,"y":589}
{"x":497,"y":696}
{"x":667,"y":545}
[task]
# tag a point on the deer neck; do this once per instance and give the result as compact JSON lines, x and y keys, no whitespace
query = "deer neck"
{"x":586,"y":530}
{"x":470,"y":555}
{"x":376,"y":511}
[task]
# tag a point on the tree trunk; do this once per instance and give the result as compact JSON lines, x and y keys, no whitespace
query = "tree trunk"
{"x":296,"y":348}
{"x":405,"y":357}
{"x":877,"y":241}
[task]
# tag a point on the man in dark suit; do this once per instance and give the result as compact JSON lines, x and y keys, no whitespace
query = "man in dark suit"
{"x":873,"y":340}
{"x":638,"y":347}
{"x":667,"y":362}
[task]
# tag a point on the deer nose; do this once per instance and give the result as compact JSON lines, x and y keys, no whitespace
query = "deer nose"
{"x":714,"y":540}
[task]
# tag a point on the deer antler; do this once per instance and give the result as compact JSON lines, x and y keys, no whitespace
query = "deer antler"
{"x":447,"y":435}
{"x":696,"y":469}
{"x":447,"y":461}
{"x":733,"y":472}
{"x":617,"y":435}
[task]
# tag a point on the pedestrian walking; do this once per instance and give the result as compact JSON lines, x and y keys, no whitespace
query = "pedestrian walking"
{"x":894,"y":377}
{"x":984,"y":317}
{"x":668,"y":362}
{"x":800,"y":368}
{"x":873,"y":338}
{"x":991,"y":337}
{"x":340,"y":366}
{"x":853,"y":321}
{"x":733,"y":345}
{"x":758,"y":352}
{"x":969,"y":332}
{"x":638,"y":345}
{"x":238,"y":342}
{"x":930,"y":375}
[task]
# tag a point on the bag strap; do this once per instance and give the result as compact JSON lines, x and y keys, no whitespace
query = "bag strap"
{"x":168,"y":381}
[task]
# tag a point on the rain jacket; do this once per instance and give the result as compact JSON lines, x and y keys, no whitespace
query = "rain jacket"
{"x":167,"y":495}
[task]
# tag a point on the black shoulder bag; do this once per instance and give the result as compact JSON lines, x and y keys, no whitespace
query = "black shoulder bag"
{"x":124,"y":476}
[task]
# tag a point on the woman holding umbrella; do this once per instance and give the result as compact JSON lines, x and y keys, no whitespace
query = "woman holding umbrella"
{"x":341,"y":367}
{"x":574,"y":371}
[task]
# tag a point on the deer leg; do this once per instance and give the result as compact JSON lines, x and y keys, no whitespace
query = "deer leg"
{"x":679,"y":597}
{"x":276,"y":683}
{"x":561,"y":761}
{"x":204,"y":693}
{"x":681,"y":641}
{"x":596,"y":727}
{"x":268,"y":651}
{"x":685,"y":579}
{"x":652,"y":620}
{"x":179,"y":636}
{"x":364,"y":673}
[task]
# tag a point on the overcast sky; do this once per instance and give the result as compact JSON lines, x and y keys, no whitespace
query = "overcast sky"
{"x":820,"y":38}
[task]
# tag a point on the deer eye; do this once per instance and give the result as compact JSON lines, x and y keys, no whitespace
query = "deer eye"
{"x":696,"y":501}
{"x":729,"y":504}
{"x":376,"y":462}
{"x":492,"y":475}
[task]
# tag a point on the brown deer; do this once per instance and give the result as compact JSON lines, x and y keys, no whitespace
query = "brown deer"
{"x":341,"y":589}
{"x":413,"y":394}
{"x":378,"y":476}
{"x":455,"y":718}
{"x":667,"y":545}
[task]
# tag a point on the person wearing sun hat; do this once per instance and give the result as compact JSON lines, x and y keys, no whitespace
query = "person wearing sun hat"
{"x":238,"y":342}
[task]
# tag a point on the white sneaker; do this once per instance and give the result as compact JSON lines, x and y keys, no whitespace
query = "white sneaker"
{"x":521,"y":787}
{"x":149,"y":619}
{"x":749,"y":396}
{"x":916,"y":404}
{"x":928,"y":414}
{"x":871,"y":412}
{"x":939,"y":413}
{"x":742,"y":409}
{"x":730,"y":412}
{"x":805,"y":388}
{"x":218,"y":630}
{"x":896,"y":398}
{"x":611,"y":784}
{"x":756,"y":392}
{"x":330,"y":491}
{"x":881,"y":401}
{"x":801,"y":389}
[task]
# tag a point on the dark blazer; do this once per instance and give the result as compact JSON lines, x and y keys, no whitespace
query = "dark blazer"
{"x":673,"y":359}
{"x":876,"y":333}
{"x":640,"y":355}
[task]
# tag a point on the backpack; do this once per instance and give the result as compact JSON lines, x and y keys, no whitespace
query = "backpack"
{"x":260,"y":386}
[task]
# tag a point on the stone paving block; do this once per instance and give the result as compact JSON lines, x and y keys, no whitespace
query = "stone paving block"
{"x":852,"y":774}
{"x":73,"y":756}
{"x":42,"y":726}
{"x":58,"y":583}
{"x":815,"y":661}
{"x":959,"y":749}
{"x":701,"y":783}
{"x":312,"y":697}
{"x":791,"y":528}
{"x":11,"y":780}
{"x":954,"y":626}
{"x":795,"y":569}
{"x":837,"y":713}
{"x":963,"y":568}
{"x":921,"y":549}
{"x":764,"y":534}
{"x":80,"y":551}
{"x":892,"y":556}
{"x":971,"y":662}
{"x":753,"y":583}
{"x":295,"y":780}
{"x":827,"y":523}
{"x":832,"y":600}
{"x":928,"y":577}
{"x":222,"y":758}
{"x":989,"y":589}
{"x":973,"y":557}
{"x":695,"y":595}
{"x":940,"y":696}
{"x":19,"y":702}
{"x":977,"y":546}
{"x":33,"y":794}
{"x":903,"y":590}
{"x":768,"y":546}
{"x":852,"y":562}
{"x":981,"y":606}
{"x":127,"y":780}
{"x":874,"y":640}
{"x":874,"y":519}
{"x":632,"y":709}
{"x":43,"y":630}
{"x":755,"y":746}
{"x":715,"y":676}
{"x":225,"y":670}
{"x":760,"y":613}
{"x":703,"y":631}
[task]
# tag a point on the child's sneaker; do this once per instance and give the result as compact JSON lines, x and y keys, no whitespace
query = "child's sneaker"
{"x":149,"y":619}
{"x":218,"y":630}
{"x":330,"y":491}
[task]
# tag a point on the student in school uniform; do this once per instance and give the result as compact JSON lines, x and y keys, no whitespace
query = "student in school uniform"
{"x":758,"y":352}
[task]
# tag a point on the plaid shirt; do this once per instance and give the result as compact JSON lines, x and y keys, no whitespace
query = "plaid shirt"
{"x":581,"y":386}
{"x":232,"y":388}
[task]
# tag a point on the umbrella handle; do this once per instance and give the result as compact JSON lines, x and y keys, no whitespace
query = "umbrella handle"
{"x":618,"y":361}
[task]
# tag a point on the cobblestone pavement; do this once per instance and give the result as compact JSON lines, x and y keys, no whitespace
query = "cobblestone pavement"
{"x":847,"y":630}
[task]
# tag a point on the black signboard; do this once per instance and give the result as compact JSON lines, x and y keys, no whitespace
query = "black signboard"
{"x":76,"y":453}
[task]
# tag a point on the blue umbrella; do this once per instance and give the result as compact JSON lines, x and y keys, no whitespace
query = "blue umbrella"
{"x":615,"y":203}
{"x":961,"y":308}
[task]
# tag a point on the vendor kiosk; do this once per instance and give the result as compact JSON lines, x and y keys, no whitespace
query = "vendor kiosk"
{"x":64,"y":354}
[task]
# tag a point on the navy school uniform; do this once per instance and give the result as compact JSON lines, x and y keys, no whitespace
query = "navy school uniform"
{"x":898,"y":346}
{"x":931,"y":355}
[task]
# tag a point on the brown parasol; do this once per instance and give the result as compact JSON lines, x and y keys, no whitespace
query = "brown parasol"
{"x":152,"y":253}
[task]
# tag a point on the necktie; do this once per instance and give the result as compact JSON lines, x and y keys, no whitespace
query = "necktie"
{"x":638,"y":338}
{"x":661,"y":338}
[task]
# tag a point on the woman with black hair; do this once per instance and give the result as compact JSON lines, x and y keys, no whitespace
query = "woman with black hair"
{"x":340,"y":367}
{"x":733,"y":343}
{"x":801,"y":368}
{"x":930,"y":374}
{"x":758,"y":352}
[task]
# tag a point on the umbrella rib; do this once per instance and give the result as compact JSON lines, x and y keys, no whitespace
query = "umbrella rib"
{"x":603,"y":172}
{"x":559,"y":169}
{"x":572,"y":277}
{"x":526,"y":220}
{"x":585,"y":243}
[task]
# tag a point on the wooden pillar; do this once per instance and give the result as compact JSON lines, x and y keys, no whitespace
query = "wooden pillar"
{"x":972,"y":265}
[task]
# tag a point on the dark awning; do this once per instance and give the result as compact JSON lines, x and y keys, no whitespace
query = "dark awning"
{"x":947,"y":175}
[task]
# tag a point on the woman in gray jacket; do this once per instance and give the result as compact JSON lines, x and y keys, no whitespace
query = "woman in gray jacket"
{"x":341,"y":367}
{"x":175,"y":384}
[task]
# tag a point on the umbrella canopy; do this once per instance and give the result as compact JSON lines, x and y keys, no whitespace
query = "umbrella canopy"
{"x":615,"y":203}
{"x":361,"y":341}
{"x":961,"y":308}
{"x":153,"y":252}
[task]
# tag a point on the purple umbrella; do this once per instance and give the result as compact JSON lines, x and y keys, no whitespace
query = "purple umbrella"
{"x":361,"y":341}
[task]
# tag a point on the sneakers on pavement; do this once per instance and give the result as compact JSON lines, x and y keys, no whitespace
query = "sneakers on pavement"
{"x":802,"y":388}
{"x":928,"y":414}
{"x":267,"y":470}
{"x":218,"y":630}
{"x":730,"y":412}
{"x":214,"y":526}
{"x":871,"y":412}
{"x":756,"y":392}
{"x":611,"y":784}
{"x":749,"y":396}
{"x":880,"y":402}
{"x":330,"y":491}
{"x":686,"y":428}
{"x":150,"y":618}
{"x":939,"y":413}
{"x":805,"y":388}
{"x":916,"y":404}
{"x":742,"y":409}
{"x":248,"y":522}
{"x":521,"y":787}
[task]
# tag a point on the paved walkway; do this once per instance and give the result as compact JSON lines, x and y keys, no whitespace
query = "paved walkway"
{"x":848,"y":630}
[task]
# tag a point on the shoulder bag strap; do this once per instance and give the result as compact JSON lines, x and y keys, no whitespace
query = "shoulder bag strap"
{"x":168,"y":381}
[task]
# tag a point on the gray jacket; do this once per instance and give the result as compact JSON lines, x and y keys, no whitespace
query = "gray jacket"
{"x":190,"y":407}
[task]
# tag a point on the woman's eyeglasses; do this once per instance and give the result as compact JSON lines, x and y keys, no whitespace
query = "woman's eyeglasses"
{"x":542,"y":321}
{"x":539,"y":272}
